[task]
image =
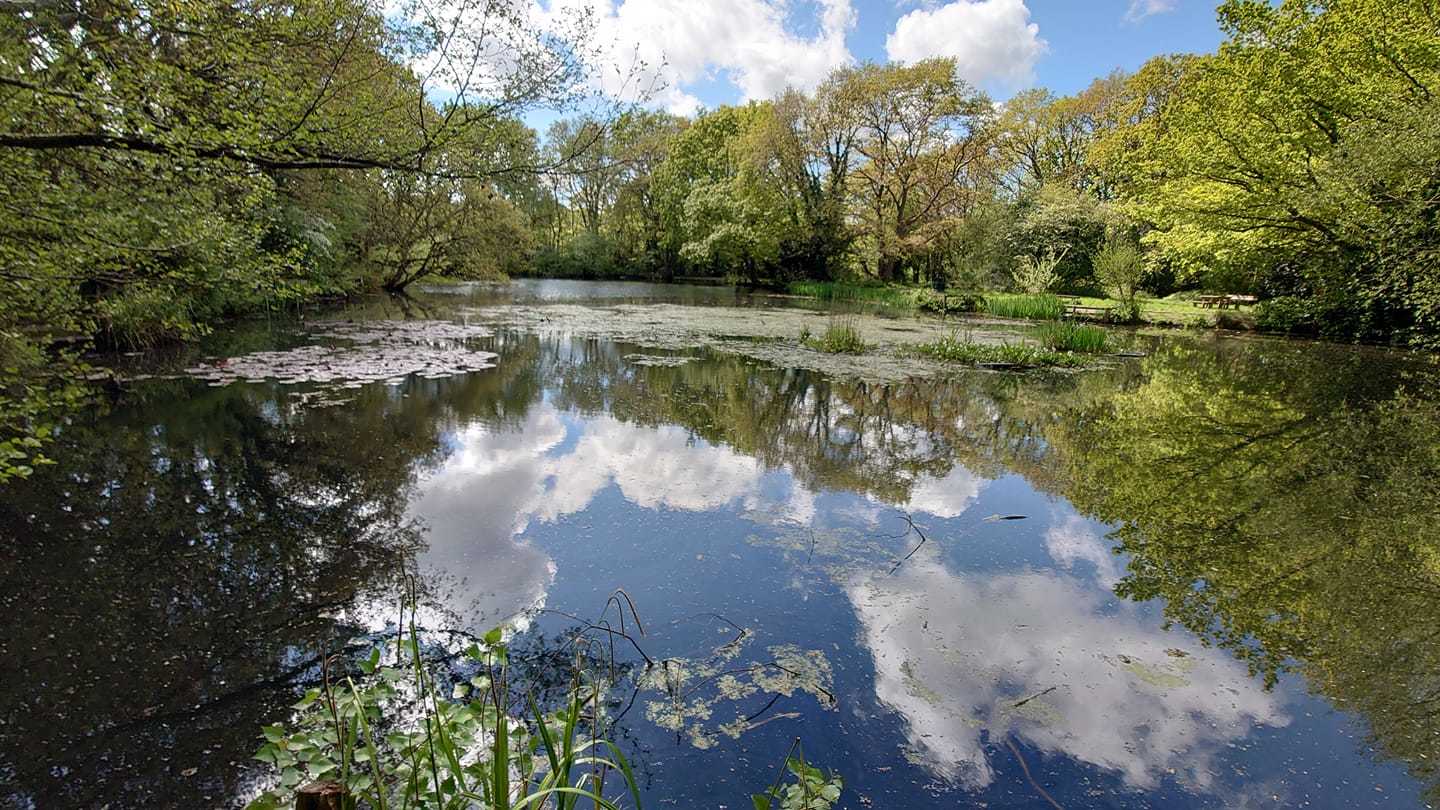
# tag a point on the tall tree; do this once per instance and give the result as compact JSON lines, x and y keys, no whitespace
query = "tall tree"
{"x":922,"y":129}
{"x":1304,"y":158}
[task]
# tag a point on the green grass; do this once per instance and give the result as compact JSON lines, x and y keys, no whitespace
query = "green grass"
{"x":1043,"y":307}
{"x":839,"y":337}
{"x":957,"y":349}
{"x":844,"y":292}
{"x":1067,"y":336}
{"x":1175,"y":310}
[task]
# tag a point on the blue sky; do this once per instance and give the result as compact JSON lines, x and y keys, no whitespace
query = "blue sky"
{"x":710,"y":52}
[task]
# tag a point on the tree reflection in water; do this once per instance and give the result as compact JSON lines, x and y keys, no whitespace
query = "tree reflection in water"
{"x":177,"y":573}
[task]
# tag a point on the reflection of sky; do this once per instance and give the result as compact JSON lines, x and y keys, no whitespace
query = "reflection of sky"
{"x":955,"y":654}
{"x":984,"y":617}
{"x":478,"y":504}
{"x":946,"y":497}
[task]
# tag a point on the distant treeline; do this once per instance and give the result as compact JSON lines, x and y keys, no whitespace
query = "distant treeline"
{"x":1300,"y":163}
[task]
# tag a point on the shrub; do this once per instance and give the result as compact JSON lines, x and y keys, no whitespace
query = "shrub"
{"x":1038,"y":274}
{"x":946,"y":304}
{"x":1289,"y":314}
{"x":1119,"y":269}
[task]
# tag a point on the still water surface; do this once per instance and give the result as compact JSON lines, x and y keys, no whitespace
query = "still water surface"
{"x":1208,"y":577}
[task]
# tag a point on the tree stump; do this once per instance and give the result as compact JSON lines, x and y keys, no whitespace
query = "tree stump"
{"x":320,"y":796}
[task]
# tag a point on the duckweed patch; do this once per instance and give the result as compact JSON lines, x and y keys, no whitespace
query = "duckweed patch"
{"x":689,"y":695}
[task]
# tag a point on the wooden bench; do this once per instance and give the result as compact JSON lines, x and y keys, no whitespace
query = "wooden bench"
{"x":1223,"y":301}
{"x":1084,"y":311}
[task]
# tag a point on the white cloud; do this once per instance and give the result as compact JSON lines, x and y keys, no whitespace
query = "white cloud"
{"x":946,"y":497}
{"x":473,"y":506}
{"x":992,"y":41}
{"x":1074,"y":541}
{"x":957,"y":656}
{"x":477,"y":505}
{"x":682,"y":42}
{"x":1140,"y":9}
{"x":653,"y":467}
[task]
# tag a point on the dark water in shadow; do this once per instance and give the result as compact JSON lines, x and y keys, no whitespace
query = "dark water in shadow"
{"x":1224,"y":591}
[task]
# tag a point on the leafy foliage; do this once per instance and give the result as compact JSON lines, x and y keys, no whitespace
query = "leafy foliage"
{"x":1119,"y":269}
{"x":1035,"y":275}
{"x":809,"y":788}
{"x":1302,"y":159}
{"x":392,"y":740}
{"x":165,"y":166}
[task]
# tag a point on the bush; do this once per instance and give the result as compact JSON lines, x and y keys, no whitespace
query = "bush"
{"x":586,"y":256}
{"x":1119,"y":269}
{"x":1058,"y":215}
{"x":1288,"y":314}
{"x":946,"y":303}
{"x":1037,"y":274}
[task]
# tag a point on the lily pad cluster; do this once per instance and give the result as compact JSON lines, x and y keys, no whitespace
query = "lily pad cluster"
{"x":355,"y":354}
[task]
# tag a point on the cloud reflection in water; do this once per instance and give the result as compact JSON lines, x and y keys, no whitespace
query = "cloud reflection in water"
{"x":481,"y":499}
{"x":957,"y":655}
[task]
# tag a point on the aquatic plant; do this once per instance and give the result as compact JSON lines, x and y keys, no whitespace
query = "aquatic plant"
{"x":923,"y":299}
{"x":1065,"y":336}
{"x":839,"y":291}
{"x":959,"y":349}
{"x":376,"y":351}
{"x":809,"y":788}
{"x":840,"y":337}
{"x":1043,"y":307}
{"x":399,"y":734}
{"x":389,"y":739}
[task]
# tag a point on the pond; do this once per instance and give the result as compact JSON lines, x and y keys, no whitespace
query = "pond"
{"x":1208,"y":576}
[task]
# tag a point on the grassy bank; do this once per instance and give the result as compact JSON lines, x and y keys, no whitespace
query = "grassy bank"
{"x":1171,"y":311}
